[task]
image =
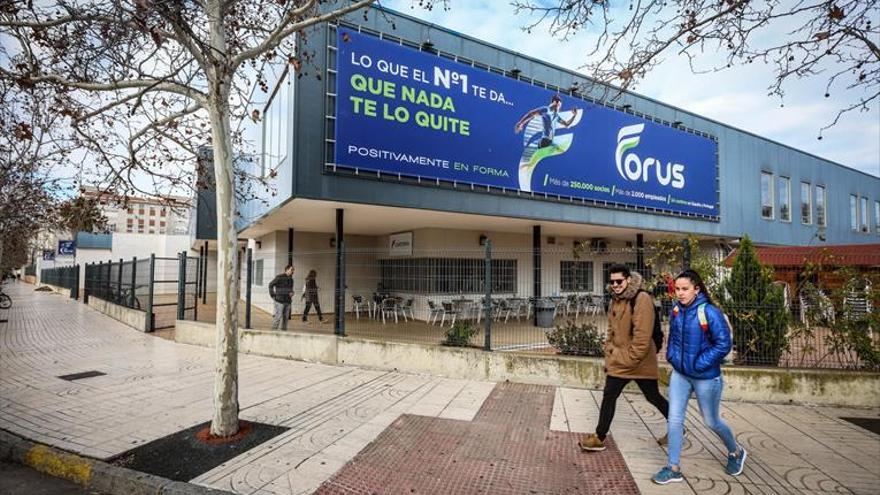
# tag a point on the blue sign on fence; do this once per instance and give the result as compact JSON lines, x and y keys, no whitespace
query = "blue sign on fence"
{"x":66,"y":248}
{"x":403,"y":111}
{"x":48,"y":255}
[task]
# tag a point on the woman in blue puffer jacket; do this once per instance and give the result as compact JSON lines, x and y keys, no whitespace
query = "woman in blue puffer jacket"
{"x":699,"y":339}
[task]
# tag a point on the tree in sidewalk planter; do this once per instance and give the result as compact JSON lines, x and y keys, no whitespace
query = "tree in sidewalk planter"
{"x":756,"y":309}
{"x":152,"y":81}
{"x":577,"y":340}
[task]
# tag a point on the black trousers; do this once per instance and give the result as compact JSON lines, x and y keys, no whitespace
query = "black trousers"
{"x":317,"y":310}
{"x":614,"y":387}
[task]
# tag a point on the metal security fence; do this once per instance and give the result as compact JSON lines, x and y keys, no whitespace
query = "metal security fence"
{"x":66,"y":277}
{"x":153,"y":285}
{"x":30,"y":270}
{"x":554,"y":299}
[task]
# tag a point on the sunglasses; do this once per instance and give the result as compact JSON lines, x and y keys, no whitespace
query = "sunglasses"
{"x":617,"y":281}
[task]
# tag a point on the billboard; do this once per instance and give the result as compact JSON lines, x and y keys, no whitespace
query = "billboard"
{"x":66,"y":248}
{"x":403,"y":111}
{"x":48,"y":255}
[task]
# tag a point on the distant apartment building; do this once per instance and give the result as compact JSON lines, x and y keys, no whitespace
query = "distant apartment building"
{"x":144,"y":215}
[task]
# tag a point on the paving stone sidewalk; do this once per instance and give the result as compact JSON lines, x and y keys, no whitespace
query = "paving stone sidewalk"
{"x":338,"y":416}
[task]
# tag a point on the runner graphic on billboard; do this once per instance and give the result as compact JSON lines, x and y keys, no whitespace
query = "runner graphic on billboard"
{"x":540,"y":139}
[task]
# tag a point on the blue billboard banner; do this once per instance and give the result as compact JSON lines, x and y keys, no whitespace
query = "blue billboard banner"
{"x":407,"y":112}
{"x":66,"y":248}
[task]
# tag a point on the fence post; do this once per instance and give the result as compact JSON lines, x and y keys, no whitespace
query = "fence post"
{"x":134,"y":264}
{"x":150,"y":318}
{"x":181,"y":285}
{"x":247,"y":289}
{"x":339,"y":303}
{"x":117,"y":298}
{"x":86,"y":285}
{"x":686,"y":254}
{"x":75,"y":290}
{"x":198,"y":277}
{"x":487,"y":300}
{"x":205,"y":277}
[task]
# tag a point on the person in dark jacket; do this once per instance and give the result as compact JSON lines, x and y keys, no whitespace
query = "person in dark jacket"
{"x":310,"y":294}
{"x":630,"y":354}
{"x":281,"y":291}
{"x":699,"y":339}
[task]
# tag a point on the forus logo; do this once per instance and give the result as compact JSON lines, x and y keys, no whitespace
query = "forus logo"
{"x":631,"y":167}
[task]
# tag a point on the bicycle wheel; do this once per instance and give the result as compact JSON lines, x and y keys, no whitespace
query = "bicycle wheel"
{"x":5,"y":301}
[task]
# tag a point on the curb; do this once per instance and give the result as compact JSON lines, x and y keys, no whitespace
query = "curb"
{"x":91,"y":473}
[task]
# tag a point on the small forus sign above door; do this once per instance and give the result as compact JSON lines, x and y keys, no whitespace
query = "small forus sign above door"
{"x":400,"y":244}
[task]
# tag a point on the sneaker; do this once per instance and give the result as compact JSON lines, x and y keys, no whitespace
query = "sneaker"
{"x":664,"y":440}
{"x":735,"y":463}
{"x":591,"y":443}
{"x":667,"y":475}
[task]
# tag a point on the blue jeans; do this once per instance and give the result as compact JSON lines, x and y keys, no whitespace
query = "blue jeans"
{"x":708,"y":394}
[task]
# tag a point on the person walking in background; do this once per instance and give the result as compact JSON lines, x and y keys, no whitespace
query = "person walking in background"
{"x":630,"y":351}
{"x":699,"y":339}
{"x":310,"y":294}
{"x":281,"y":291}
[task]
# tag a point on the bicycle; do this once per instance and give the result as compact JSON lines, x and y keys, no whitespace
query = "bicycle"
{"x":124,"y":298}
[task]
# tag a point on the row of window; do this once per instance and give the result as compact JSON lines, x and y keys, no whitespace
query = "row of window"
{"x":859,"y":213}
{"x":276,"y":125}
{"x":446,"y":275}
{"x":141,"y":211}
{"x":781,"y":196}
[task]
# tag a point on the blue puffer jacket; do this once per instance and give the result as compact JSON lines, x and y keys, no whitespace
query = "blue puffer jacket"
{"x":692,"y":351}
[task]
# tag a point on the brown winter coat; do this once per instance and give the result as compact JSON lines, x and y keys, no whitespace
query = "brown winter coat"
{"x":629,"y":349}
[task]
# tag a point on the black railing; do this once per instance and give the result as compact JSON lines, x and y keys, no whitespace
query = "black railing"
{"x":66,"y":277}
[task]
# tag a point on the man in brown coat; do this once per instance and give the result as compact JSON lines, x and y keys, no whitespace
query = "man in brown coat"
{"x":629,"y":351}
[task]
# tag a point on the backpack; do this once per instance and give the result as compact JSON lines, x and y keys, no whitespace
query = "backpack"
{"x":657,"y":333}
{"x":704,"y":325}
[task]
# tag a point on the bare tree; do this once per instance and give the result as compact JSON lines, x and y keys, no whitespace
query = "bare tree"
{"x":832,"y":39}
{"x":163,"y":77}
{"x":33,"y":151}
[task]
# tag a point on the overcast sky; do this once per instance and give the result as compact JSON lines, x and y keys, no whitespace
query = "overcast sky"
{"x":737,"y":97}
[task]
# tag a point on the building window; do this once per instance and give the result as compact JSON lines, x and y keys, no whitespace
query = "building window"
{"x":141,"y":210}
{"x":784,"y":190}
{"x":820,"y":206}
{"x":853,"y":213}
{"x":152,"y":212}
{"x":767,"y":195}
{"x":276,"y":124}
{"x":806,"y":204}
{"x":152,"y":222}
{"x":258,"y":272}
{"x":162,"y":213}
{"x":445,"y":275}
{"x":577,"y":276}
{"x":863,"y":210}
{"x":877,"y":217}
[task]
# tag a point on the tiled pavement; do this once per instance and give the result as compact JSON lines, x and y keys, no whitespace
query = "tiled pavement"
{"x":154,"y":387}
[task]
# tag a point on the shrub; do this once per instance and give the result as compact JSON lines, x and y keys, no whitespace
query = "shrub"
{"x":459,"y":335}
{"x":756,"y":308}
{"x":577,"y":340}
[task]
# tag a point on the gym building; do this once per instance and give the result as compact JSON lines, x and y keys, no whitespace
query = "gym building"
{"x":404,"y":154}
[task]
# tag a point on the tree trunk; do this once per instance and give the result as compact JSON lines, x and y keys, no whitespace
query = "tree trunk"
{"x":225,"y":421}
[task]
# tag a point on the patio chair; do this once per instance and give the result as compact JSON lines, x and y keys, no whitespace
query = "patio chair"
{"x":448,"y":309}
{"x":360,"y":304}
{"x":406,"y":309}
{"x":433,"y":312}
{"x":503,"y":308}
{"x":388,"y":307}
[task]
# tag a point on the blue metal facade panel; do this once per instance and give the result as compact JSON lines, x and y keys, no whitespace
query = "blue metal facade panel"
{"x":742,"y":157}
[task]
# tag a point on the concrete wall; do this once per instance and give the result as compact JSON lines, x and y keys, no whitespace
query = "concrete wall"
{"x":132,"y":317}
{"x":843,"y":388}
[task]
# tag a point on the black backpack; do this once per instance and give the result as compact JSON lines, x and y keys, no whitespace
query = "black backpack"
{"x":657,"y":334}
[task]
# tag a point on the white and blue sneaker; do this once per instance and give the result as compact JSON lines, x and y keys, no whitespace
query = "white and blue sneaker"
{"x":736,"y":463}
{"x":667,"y":475}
